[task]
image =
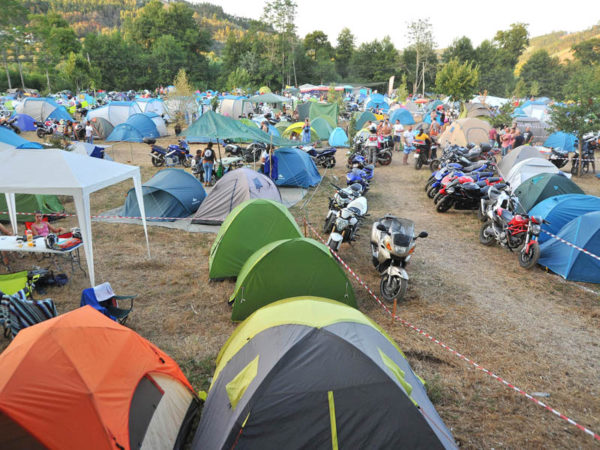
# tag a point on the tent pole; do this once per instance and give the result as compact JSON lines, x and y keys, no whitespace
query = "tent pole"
{"x":131,"y":151}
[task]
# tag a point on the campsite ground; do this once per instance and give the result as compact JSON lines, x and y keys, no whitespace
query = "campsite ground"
{"x":529,"y":327}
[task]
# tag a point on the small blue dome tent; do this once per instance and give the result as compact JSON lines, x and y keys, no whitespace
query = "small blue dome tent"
{"x":137,"y":127}
{"x":169,"y":193}
{"x":568,"y":262}
{"x":296,"y":168}
{"x":561,"y":209}
{"x":403,"y":115}
{"x":561,"y":140}
{"x":25,"y":122}
{"x":338,"y":138}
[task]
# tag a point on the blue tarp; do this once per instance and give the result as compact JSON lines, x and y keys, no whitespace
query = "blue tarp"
{"x":338,"y":138}
{"x":403,"y":115}
{"x":25,"y":122}
{"x":562,"y":141}
{"x":11,"y":138}
{"x":296,"y":168}
{"x":568,"y":262}
{"x":561,"y":209}
{"x":169,"y":193}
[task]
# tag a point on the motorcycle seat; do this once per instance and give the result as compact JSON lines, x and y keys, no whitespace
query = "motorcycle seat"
{"x":369,"y":167}
{"x":474,"y":166}
{"x":506,"y":215}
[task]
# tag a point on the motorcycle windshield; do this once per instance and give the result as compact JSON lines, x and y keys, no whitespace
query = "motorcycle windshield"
{"x":402,"y":231}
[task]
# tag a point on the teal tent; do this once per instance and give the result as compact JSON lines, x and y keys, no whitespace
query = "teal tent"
{"x":322,"y":127}
{"x":338,"y":138}
{"x":363,"y":118}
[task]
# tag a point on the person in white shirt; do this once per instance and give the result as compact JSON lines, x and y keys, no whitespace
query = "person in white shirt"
{"x":398,"y":129}
{"x":89,"y":133}
{"x":408,"y":138}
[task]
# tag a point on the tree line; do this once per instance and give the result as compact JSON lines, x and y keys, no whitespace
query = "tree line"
{"x":150,"y":41}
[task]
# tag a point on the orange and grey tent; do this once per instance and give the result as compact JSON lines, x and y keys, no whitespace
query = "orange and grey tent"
{"x":81,"y":380}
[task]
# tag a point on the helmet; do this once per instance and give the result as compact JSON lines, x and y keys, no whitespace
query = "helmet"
{"x":470,"y":145}
{"x":485,"y":148}
{"x":50,"y":241}
{"x":373,"y":129}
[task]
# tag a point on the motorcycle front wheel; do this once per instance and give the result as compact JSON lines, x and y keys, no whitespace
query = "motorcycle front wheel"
{"x":437,"y":197}
{"x":485,"y":236}
{"x":444,"y":204}
{"x":329,"y":163}
{"x":418,"y":163}
{"x":385,"y":159}
{"x":432,"y":191}
{"x":328,"y":226}
{"x":40,"y":133}
{"x":158,"y":162}
{"x":529,"y":259}
{"x":16,"y":129}
{"x":434,"y":165}
{"x":392,"y":287}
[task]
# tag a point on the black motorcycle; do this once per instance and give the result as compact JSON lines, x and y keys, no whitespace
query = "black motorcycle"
{"x":250,"y":154}
{"x":559,"y":158}
{"x":425,"y":153}
{"x":465,"y":196}
{"x":588,"y":162}
{"x":11,"y":124}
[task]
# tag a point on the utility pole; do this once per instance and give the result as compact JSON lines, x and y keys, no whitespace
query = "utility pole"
{"x":423,"y":72}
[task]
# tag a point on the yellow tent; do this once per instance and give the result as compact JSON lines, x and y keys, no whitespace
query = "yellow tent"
{"x":297,"y":127}
{"x":264,"y":90}
{"x":464,"y":131}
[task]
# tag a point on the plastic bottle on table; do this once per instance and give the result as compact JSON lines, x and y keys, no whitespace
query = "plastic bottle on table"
{"x":29,"y":238}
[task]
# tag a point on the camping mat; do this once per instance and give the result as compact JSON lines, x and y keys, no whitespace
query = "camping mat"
{"x":289,"y":195}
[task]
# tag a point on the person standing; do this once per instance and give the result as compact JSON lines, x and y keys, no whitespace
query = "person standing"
{"x":408,"y":138}
{"x":528,"y":136}
{"x":398,"y":129}
{"x":506,"y":141}
{"x":518,"y":139}
{"x":306,"y":132}
{"x":89,"y":133}
{"x":492,"y":135}
{"x":208,"y":160}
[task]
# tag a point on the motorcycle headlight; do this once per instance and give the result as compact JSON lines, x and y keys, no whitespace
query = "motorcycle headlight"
{"x":450,"y":190}
{"x":400,"y":250}
{"x":340,"y":223}
{"x":536,"y":229}
{"x":345,"y":214}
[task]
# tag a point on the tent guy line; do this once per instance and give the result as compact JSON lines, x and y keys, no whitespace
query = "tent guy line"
{"x":583,"y":250}
{"x":454,"y":352}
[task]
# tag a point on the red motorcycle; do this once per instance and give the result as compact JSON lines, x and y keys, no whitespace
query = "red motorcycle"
{"x":516,"y":232}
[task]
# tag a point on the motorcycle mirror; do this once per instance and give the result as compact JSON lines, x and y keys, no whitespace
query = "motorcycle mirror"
{"x":423,"y":234}
{"x":381,"y":227}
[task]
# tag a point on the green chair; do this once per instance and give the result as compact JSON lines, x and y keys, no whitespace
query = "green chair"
{"x":21,"y":283}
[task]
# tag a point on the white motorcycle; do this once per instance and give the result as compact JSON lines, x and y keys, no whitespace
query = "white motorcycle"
{"x":341,"y":199}
{"x":392,"y":244}
{"x":347,"y":221}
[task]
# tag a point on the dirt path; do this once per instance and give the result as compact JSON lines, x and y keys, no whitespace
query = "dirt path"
{"x":529,"y":327}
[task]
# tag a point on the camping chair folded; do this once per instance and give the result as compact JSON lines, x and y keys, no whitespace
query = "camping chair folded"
{"x":21,"y":283}
{"x":17,"y":313}
{"x":103,"y":299}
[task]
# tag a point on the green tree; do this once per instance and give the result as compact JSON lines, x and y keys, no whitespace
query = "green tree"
{"x":344,"y":52}
{"x":376,"y":61}
{"x":547,"y":72}
{"x":588,"y":52}
{"x":238,"y":79}
{"x":504,"y":116}
{"x":584,"y":83}
{"x":461,"y":49}
{"x":512,"y":42}
{"x":78,"y":72}
{"x":402,"y":90}
{"x":534,"y":88}
{"x":315,"y":42}
{"x":409,"y":63}
{"x":280,"y":15}
{"x":325,"y":66}
{"x":520,"y":88}
{"x":420,"y":37}
{"x":12,"y":21}
{"x":168,"y":57}
{"x":494,"y":76}
{"x":459,"y":81}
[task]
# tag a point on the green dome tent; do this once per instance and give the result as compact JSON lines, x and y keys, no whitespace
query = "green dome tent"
{"x":545,"y":185}
{"x":363,"y":118}
{"x":313,"y":373}
{"x":322,"y":127}
{"x":248,"y":227}
{"x":289,"y":268}
{"x":29,"y":203}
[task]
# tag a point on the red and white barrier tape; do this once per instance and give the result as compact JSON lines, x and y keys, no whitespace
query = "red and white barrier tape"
{"x":570,"y":244}
{"x":103,"y":217}
{"x":451,"y":350}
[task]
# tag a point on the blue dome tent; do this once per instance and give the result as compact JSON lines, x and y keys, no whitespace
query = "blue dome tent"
{"x":11,"y":138}
{"x":561,"y":140}
{"x":403,"y":115}
{"x":338,"y":138}
{"x":296,"y":168}
{"x":169,"y":193}
{"x":137,"y":127}
{"x":25,"y":122}
{"x":561,"y":209}
{"x":568,"y":262}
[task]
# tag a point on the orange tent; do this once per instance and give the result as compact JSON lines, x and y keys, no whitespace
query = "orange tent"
{"x":81,"y":380}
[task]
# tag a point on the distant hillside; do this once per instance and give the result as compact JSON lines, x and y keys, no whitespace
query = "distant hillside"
{"x":558,"y":43}
{"x":87,"y":16}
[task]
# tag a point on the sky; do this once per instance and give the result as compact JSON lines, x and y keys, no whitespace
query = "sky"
{"x":478,"y":20}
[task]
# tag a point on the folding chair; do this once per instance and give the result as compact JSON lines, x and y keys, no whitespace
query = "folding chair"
{"x":103,"y":298}
{"x":21,"y":283}
{"x":17,"y":313}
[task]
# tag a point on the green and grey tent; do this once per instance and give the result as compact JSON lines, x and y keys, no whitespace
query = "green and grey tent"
{"x":29,"y":203}
{"x":248,"y":227}
{"x":313,"y":373}
{"x":289,"y":268}
{"x":545,"y":185}
{"x":322,"y":128}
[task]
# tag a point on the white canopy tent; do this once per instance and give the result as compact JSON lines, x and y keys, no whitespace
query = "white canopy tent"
{"x":65,"y":173}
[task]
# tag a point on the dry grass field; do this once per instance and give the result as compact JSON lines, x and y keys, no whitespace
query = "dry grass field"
{"x":529,"y":327}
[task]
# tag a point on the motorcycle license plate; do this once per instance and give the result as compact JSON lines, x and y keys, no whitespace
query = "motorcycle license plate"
{"x":416,"y":155}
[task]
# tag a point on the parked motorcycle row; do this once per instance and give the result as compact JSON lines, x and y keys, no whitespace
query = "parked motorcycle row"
{"x":392,"y":239}
{"x":466,"y":180}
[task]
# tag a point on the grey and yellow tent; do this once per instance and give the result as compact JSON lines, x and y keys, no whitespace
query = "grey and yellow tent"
{"x":289,"y":268}
{"x":248,"y":227}
{"x":314,"y":373}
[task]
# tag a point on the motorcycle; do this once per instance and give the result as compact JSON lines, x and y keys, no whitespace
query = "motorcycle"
{"x":220,"y":168}
{"x":392,"y":244}
{"x":324,"y":158}
{"x":44,"y":129}
{"x":347,"y":222}
{"x":172,"y":155}
{"x":424,"y":154}
{"x":559,"y":158}
{"x":590,"y":145}
{"x":516,"y":232}
{"x":249,"y":154}
{"x":11,"y":124}
{"x":358,"y":176}
{"x":463,"y":193}
{"x":341,"y":199}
